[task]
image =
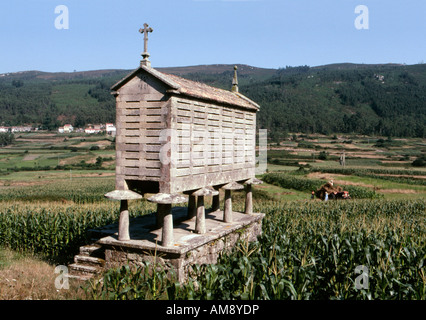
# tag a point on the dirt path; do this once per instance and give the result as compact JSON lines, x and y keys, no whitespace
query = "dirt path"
{"x":30,"y":157}
{"x":335,"y":177}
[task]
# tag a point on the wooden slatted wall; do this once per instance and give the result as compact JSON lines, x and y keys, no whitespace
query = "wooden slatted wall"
{"x":138,"y":142}
{"x":217,"y":142}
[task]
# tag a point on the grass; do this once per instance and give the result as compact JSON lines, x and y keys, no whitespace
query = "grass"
{"x":281,"y":194}
{"x":377,"y":183}
{"x":363,"y":162}
{"x":325,"y":163}
{"x":27,"y":277}
{"x":75,"y":186}
{"x":276,"y":167}
{"x":51,"y":174}
{"x":400,"y":195}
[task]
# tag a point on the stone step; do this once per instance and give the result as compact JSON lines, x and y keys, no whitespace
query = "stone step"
{"x":83,"y":270}
{"x":89,"y":261}
{"x":92,"y":250}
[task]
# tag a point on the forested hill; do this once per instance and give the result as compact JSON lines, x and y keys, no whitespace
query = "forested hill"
{"x":387,"y":100}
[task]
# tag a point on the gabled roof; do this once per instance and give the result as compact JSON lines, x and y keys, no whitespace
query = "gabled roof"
{"x":193,"y":89}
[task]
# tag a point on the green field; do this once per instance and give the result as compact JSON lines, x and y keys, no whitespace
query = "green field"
{"x":309,"y":249}
{"x":385,"y":167}
{"x":49,"y":151}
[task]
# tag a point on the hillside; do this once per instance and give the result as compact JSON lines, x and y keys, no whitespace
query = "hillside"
{"x":387,"y":100}
{"x":381,"y":99}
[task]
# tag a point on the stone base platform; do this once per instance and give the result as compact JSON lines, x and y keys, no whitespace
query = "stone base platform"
{"x":189,"y":247}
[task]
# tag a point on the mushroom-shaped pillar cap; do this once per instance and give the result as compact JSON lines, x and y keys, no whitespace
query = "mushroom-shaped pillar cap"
{"x":233,"y":186}
{"x":123,"y":195}
{"x":206,"y":191}
{"x":167,"y":198}
{"x":253,"y":181}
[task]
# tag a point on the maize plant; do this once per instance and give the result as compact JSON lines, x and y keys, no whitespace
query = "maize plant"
{"x":313,"y":251}
{"x":55,"y":231}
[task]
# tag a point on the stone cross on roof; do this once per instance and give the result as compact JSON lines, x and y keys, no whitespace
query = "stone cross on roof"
{"x":145,"y":53}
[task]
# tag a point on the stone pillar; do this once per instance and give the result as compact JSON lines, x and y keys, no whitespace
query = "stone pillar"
{"x":159,"y":216}
{"x":249,"y":194}
{"x":249,"y":200}
{"x":123,"y":223}
{"x":227,"y":211}
{"x":216,"y":203}
{"x":192,"y":206}
{"x":200,"y":222}
{"x":164,"y":215}
{"x":216,"y":199}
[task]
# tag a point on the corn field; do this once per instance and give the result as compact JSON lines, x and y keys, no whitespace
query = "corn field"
{"x":55,"y":230}
{"x":79,"y":191}
{"x":306,"y":251}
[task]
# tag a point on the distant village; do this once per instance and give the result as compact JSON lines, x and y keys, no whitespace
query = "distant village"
{"x":108,"y":128}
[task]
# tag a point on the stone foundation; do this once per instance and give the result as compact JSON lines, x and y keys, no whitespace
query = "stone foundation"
{"x":189,"y":247}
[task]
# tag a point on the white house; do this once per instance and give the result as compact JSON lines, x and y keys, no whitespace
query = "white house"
{"x":68,"y":128}
{"x":93,"y":129}
{"x":110,"y":129}
{"x":22,"y":129}
{"x":89,"y":130}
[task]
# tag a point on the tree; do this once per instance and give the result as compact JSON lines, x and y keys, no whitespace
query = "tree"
{"x":6,"y":139}
{"x":323,"y":155}
{"x":419,"y":162}
{"x":17,"y":83}
{"x":99,"y":161}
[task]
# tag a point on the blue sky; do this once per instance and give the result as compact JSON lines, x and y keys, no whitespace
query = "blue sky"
{"x":103,"y":34}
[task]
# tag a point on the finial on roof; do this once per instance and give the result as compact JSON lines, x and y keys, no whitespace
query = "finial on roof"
{"x":145,"y":54}
{"x":235,"y":80}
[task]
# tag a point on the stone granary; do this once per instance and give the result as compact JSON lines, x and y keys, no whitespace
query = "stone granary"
{"x":179,"y":141}
{"x":179,"y":136}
